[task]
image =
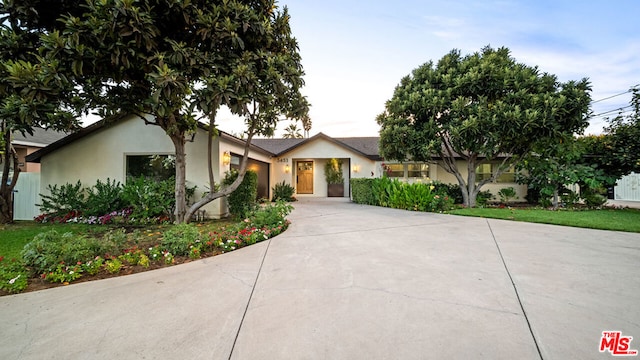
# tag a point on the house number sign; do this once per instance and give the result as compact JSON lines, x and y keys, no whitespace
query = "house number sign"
{"x":283,"y":160}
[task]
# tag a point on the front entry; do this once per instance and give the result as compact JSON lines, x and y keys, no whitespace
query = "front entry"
{"x":304,"y":177}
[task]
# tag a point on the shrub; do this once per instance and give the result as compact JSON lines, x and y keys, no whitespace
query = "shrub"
{"x":570,"y":198}
{"x":507,"y":194}
{"x":594,"y":200}
{"x":179,"y":239}
{"x":64,"y":273}
{"x":483,"y":198}
{"x":333,"y":171}
{"x":48,"y":249}
{"x":63,"y":199}
{"x":103,"y":198}
{"x":149,"y":198}
{"x":362,"y":191}
{"x":270,"y":215}
{"x":243,"y":199}
{"x":452,"y":190}
{"x":113,"y":266}
{"x":283,"y":191}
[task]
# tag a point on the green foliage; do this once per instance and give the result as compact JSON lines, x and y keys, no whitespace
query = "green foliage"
{"x":113,"y":266}
{"x":103,"y":198}
{"x":235,"y":53}
{"x":333,"y":171}
{"x":92,"y":267}
{"x":555,"y":165}
{"x":617,"y":152}
{"x":570,"y":198}
{"x":244,"y":198}
{"x":283,"y":191}
{"x":506,"y":194}
{"x":399,"y":195}
{"x":362,"y":191}
{"x":479,"y":106}
{"x":13,"y":276}
{"x":483,"y":198}
{"x":63,"y":199}
{"x":149,"y":198}
{"x":51,"y":248}
{"x":64,"y":273}
{"x":270,"y":215}
{"x":452,"y":190}
{"x":180,"y":238}
{"x":606,"y":219}
{"x":31,"y":95}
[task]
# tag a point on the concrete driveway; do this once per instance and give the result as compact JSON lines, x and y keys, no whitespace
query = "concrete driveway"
{"x":353,"y":282}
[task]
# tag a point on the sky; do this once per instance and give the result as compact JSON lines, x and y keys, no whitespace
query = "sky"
{"x":354,"y":52}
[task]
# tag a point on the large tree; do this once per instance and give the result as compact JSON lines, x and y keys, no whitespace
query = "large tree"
{"x":479,"y":108}
{"x":46,"y":100}
{"x":617,"y":151}
{"x":164,"y":60}
{"x":556,"y":164}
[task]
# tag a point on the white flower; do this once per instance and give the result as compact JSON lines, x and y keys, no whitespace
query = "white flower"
{"x":14,"y":279}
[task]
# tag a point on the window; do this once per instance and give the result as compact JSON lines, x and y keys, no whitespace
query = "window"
{"x":394,"y":170}
{"x":418,"y":171}
{"x":507,"y":176}
{"x":485,"y":171}
{"x":157,"y":167}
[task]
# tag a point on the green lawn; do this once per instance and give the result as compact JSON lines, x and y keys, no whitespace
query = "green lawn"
{"x":14,"y":237}
{"x":607,"y":219}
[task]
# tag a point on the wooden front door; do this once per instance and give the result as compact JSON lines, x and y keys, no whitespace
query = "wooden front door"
{"x":304,"y":177}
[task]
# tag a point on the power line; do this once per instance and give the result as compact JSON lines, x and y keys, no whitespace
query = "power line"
{"x":620,"y":94}
{"x":613,"y":111}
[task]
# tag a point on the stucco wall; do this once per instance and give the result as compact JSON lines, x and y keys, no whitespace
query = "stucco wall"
{"x":102,"y":155}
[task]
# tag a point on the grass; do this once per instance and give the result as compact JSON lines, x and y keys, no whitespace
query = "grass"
{"x":15,"y":236}
{"x":606,"y":219}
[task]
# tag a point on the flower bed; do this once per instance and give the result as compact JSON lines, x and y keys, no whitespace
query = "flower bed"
{"x":52,"y":258}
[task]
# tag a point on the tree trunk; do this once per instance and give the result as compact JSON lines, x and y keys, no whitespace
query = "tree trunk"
{"x":229,"y":189}
{"x":555,"y":199}
{"x":181,"y":166}
{"x":7,"y":185}
{"x":471,"y":183}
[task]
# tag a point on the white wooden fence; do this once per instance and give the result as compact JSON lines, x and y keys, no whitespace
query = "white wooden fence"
{"x":26,"y":195}
{"x":628,"y":188}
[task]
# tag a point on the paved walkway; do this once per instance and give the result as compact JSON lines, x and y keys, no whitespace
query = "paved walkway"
{"x":353,"y":282}
{"x":624,"y":203}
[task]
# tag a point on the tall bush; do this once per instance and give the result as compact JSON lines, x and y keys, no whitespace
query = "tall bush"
{"x":149,"y":198}
{"x":399,"y":195}
{"x":244,"y":199}
{"x":333,"y":171}
{"x":103,"y":198}
{"x":362,"y":191}
{"x":63,"y":199}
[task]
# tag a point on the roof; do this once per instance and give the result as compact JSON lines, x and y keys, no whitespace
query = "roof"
{"x":365,"y":146}
{"x":99,"y":125}
{"x":40,"y":138}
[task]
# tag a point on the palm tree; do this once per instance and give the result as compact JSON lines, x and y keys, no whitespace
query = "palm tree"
{"x":292,"y":132}
{"x":306,"y":124}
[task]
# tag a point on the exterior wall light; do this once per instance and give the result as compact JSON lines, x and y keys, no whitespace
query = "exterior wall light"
{"x":356,"y":168}
{"x":226,"y":158}
{"x":287,"y":169}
